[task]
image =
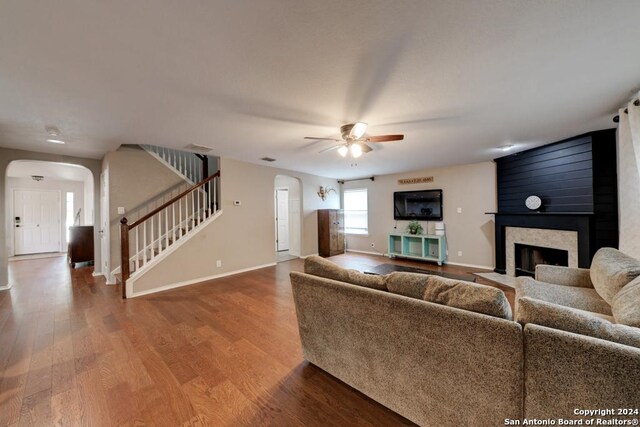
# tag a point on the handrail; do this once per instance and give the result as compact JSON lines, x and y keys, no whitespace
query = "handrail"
{"x":172,"y":201}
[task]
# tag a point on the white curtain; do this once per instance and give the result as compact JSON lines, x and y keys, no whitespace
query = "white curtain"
{"x":629,"y":179}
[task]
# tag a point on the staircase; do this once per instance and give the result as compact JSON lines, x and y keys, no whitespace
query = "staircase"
{"x":193,"y":167}
{"x":162,"y":223}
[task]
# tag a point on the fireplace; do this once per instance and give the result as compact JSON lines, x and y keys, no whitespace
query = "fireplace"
{"x":576,"y":180}
{"x":528,"y":256}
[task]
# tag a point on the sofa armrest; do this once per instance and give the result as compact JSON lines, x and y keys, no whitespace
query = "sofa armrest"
{"x":565,"y":371}
{"x":567,"y":276}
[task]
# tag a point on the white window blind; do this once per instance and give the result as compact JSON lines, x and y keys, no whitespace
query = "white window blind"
{"x":356,"y":220}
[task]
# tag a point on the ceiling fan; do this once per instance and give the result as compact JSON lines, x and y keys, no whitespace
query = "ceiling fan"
{"x":355,"y":141}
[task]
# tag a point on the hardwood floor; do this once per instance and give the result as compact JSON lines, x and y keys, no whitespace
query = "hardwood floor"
{"x":225,"y":352}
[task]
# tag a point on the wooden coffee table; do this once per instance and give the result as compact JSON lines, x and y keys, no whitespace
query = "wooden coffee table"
{"x":391,"y":268}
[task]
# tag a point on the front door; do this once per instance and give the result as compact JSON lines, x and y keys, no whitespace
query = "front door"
{"x":36,"y":220}
{"x":282,"y":219}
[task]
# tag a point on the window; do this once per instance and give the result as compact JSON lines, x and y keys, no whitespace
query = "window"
{"x":69,"y":217}
{"x":356,"y":220}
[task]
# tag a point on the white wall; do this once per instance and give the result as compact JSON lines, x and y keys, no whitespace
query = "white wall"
{"x":63,"y":187}
{"x":470,"y":187}
{"x":243,"y":237}
{"x":135,"y":177}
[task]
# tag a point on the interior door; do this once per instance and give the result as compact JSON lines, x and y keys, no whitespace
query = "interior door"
{"x":294,"y":227}
{"x":36,"y":216}
{"x":50,"y":224}
{"x":282,"y":219}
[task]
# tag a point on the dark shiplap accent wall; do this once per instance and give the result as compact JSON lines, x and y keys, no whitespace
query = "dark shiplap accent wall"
{"x":560,"y":174}
{"x":577,"y":175}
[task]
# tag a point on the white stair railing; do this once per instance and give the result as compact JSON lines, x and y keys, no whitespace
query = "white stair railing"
{"x":186,"y":163}
{"x":155,"y":232}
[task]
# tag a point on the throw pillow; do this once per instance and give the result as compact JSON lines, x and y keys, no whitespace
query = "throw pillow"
{"x":626,"y":305}
{"x":372,"y":281}
{"x":611,"y":270}
{"x":576,"y":321}
{"x":319,"y":266}
{"x":468,"y":296}
{"x":411,"y":285}
{"x":454,"y":293}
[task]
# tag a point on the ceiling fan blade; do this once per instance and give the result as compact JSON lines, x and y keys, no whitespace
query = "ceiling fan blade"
{"x":365,"y":147}
{"x":323,"y":139}
{"x":335,"y":147}
{"x":384,"y":138}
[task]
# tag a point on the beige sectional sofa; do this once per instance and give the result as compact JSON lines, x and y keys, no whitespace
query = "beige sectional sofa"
{"x":449,"y":353}
{"x":581,"y":336}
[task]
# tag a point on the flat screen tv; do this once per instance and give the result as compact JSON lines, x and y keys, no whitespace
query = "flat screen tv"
{"x":425,"y":205}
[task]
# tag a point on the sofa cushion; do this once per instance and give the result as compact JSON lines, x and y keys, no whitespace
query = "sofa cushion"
{"x":577,"y":321}
{"x":586,"y":299}
{"x":372,"y":281}
{"x":319,"y":266}
{"x":626,"y":304}
{"x":611,"y":270}
{"x":453,"y":293}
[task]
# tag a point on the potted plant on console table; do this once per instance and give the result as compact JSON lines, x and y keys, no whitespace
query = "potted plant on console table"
{"x":415,"y":227}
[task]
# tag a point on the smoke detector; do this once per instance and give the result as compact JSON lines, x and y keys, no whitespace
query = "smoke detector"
{"x":54,"y":134}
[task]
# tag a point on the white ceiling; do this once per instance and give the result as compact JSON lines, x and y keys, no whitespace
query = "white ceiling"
{"x":50,"y":170}
{"x":252,"y":78}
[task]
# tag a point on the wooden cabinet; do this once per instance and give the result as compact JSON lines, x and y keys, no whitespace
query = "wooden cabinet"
{"x":80,"y":244}
{"x":330,"y":232}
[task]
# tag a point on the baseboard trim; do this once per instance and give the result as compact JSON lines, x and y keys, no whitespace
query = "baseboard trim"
{"x":5,"y":287}
{"x":368,"y":252}
{"x":194,"y":281}
{"x":459,"y":264}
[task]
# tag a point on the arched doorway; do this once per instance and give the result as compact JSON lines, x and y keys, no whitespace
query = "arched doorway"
{"x":288,"y":215}
{"x":42,"y":200}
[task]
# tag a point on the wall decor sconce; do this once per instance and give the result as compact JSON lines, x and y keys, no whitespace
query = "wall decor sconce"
{"x":324,"y":191}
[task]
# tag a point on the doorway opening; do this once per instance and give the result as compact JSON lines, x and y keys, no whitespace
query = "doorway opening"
{"x":43,"y":202}
{"x":288,"y":217}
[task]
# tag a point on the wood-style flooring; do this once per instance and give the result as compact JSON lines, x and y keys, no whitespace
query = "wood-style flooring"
{"x":225,"y":353}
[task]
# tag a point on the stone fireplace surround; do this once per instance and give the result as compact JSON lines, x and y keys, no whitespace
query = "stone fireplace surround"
{"x":548,"y":224}
{"x":557,"y":239}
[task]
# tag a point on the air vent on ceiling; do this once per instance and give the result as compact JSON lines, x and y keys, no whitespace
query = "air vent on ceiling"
{"x":198,"y":148}
{"x":268,"y":159}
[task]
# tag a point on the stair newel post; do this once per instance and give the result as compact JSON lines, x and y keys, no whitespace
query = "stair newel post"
{"x":124,"y":254}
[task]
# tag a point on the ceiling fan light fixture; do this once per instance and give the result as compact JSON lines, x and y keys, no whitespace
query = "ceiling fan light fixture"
{"x":343,"y":151}
{"x":358,"y":130}
{"x":356,"y":150}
